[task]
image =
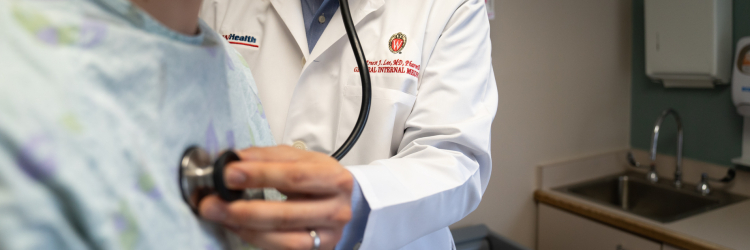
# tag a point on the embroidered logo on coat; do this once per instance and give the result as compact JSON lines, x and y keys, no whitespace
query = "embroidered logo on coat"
{"x":397,"y":43}
{"x":241,"y":40}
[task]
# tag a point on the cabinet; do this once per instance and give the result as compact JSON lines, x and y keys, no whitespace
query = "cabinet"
{"x":559,"y":229}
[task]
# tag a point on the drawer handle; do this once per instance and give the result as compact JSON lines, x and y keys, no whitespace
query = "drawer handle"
{"x":620,"y":247}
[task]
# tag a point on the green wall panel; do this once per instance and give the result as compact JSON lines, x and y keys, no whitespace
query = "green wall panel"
{"x":713,"y":130}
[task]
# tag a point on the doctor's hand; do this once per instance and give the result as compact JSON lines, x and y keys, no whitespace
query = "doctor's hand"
{"x":319,"y":198}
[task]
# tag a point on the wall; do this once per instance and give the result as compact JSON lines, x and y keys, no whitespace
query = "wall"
{"x":712,"y":128}
{"x":563,"y":74}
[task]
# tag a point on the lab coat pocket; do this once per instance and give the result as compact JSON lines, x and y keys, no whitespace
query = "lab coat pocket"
{"x":385,"y":126}
{"x":246,"y":50}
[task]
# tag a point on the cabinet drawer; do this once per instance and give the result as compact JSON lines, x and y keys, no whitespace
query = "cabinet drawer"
{"x":669,"y":247}
{"x":559,"y":229}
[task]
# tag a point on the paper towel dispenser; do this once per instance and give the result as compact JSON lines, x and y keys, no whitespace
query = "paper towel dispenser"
{"x":689,"y":42}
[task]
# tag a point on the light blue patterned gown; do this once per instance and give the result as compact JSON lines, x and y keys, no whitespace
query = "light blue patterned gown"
{"x":98,"y":101}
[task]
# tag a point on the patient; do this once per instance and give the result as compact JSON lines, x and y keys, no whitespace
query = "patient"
{"x":98,"y":101}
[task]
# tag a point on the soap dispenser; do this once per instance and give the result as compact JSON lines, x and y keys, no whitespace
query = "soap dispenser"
{"x":741,"y":95}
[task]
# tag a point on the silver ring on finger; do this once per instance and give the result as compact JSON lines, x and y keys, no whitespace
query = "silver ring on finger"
{"x":316,"y":240}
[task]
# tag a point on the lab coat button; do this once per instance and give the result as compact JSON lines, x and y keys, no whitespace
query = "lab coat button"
{"x":299,"y":145}
{"x":356,"y":246}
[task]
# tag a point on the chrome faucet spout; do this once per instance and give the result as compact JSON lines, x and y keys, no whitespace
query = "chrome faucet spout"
{"x":655,"y":140}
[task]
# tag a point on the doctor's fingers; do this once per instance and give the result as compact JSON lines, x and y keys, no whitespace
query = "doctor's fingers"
{"x":299,"y":239}
{"x":275,"y":215}
{"x":276,"y":153}
{"x":305,"y":177}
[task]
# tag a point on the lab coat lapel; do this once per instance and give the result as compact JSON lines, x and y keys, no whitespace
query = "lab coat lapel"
{"x":335,"y":30}
{"x":290,"y":12}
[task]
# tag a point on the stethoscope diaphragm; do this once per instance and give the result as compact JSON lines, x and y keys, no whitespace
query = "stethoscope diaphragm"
{"x":199,"y":178}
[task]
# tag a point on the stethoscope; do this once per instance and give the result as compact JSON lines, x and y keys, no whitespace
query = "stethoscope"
{"x":198,"y":177}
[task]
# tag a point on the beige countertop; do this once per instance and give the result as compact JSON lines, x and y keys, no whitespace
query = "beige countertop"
{"x":724,"y":228}
{"x":728,"y":226}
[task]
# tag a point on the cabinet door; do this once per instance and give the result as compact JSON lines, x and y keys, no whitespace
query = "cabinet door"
{"x":559,"y":229}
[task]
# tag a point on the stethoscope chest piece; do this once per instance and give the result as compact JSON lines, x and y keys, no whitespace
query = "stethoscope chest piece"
{"x":199,"y":178}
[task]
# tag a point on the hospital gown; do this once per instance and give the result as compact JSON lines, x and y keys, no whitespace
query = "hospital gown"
{"x":98,"y":101}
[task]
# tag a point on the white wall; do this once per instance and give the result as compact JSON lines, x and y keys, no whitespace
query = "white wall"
{"x":563,"y":75}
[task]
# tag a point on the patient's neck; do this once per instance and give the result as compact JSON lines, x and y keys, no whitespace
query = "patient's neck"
{"x":179,"y":15}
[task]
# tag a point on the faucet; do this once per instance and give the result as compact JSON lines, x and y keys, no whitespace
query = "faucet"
{"x":655,"y":139}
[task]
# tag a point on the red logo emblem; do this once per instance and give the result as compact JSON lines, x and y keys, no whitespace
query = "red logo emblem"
{"x":397,"y":43}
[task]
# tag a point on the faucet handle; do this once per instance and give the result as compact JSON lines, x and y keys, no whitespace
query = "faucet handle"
{"x":633,"y":162}
{"x":703,"y":187}
{"x":729,"y":177}
{"x":651,"y":175}
{"x":726,"y":179}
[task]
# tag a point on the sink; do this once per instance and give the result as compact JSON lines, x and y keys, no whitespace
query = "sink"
{"x":661,"y":201}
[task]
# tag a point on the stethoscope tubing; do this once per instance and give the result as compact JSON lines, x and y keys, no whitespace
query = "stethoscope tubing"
{"x":364,"y":75}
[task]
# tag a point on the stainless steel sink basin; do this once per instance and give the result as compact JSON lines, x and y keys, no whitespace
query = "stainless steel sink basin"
{"x":657,"y":201}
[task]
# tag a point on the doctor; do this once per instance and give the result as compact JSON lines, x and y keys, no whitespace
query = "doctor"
{"x":423,"y":161}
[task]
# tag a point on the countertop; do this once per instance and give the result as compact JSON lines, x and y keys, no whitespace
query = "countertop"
{"x":724,"y":228}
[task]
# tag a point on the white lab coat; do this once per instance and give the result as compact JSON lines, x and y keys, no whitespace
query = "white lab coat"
{"x":423,"y":161}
